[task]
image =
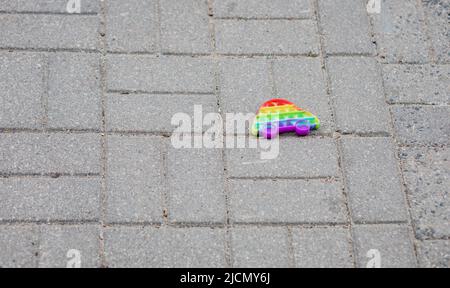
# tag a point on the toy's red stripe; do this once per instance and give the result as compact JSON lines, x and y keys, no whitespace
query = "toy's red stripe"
{"x":276,"y":102}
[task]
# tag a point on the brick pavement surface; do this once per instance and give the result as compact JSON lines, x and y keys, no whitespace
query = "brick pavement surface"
{"x":89,"y":176}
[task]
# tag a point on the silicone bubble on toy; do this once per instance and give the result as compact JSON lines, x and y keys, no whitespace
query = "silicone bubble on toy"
{"x":278,"y":116}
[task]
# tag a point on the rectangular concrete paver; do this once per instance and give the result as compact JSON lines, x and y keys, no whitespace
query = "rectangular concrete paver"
{"x":422,"y":124}
{"x":38,"y":31}
{"x":166,"y":74}
{"x":185,"y":26}
{"x":195,"y":185}
{"x":263,"y":247}
{"x":391,"y":242}
{"x":436,"y":13}
{"x":272,"y":9}
{"x":74,"y":91}
{"x":47,"y":6}
{"x":356,"y":87}
{"x":434,"y":254}
{"x":43,"y":199}
{"x":373,"y":180}
{"x":19,"y":246}
{"x":267,"y":37}
{"x":400,"y":32}
{"x":153,"y":113}
{"x":55,"y":153}
{"x":303,"y":82}
{"x":64,"y":246}
{"x":135,"y":172}
{"x":346,"y":27}
{"x":322,"y":247}
{"x":244,"y":84}
{"x":22,"y":89}
{"x":427,"y":176}
{"x":165,"y":247}
{"x":286,"y":201}
{"x":312,"y":158}
{"x":420,"y":84}
{"x":132,"y":26}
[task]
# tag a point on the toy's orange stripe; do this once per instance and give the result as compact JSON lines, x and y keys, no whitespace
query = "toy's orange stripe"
{"x":275,"y":109}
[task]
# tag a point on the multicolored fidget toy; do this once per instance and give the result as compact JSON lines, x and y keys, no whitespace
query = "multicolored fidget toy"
{"x":279,"y":116}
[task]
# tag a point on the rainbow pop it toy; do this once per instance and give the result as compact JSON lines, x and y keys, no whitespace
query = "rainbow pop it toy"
{"x":279,"y":116}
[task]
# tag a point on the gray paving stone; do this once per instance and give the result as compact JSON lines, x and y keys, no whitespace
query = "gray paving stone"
{"x":422,"y":124}
{"x":373,"y":180}
{"x":133,"y":247}
{"x":153,"y":113}
{"x":322,"y":248}
{"x":165,"y":247}
{"x":42,"y":199}
{"x":423,"y":84}
{"x":288,"y":201}
{"x":135,"y":172}
{"x":427,"y":176}
{"x":436,"y":12}
{"x":302,"y":81}
{"x":244,"y":84}
{"x":392,"y":242}
{"x":166,"y":74}
{"x":56,"y":243}
{"x":21,"y":90}
{"x":264,"y":247}
{"x":314,"y":158}
{"x":317,"y":158}
{"x":346,"y":27}
{"x":434,"y":254}
{"x":358,"y":96}
{"x":49,"y":31}
{"x":74,"y":91}
{"x":195,"y":185}
{"x":251,"y":9}
{"x":185,"y":26}
{"x":272,"y":37}
{"x":19,"y":246}
{"x":399,"y":31}
{"x":51,"y":6}
{"x":132,"y":26}
{"x":194,"y":247}
{"x":33,"y":153}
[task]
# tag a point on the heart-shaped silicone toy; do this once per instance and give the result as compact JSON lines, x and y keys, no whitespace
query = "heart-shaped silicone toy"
{"x":279,"y":116}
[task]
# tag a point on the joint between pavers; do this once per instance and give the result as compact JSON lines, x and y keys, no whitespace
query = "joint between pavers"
{"x":131,"y":92}
{"x":242,"y":18}
{"x":216,"y":55}
{"x":291,"y":250}
{"x":407,"y":200}
{"x":336,"y":135}
{"x":364,"y":134}
{"x":54,"y":175}
{"x":217,"y":92}
{"x":262,"y":178}
{"x":165,"y":197}
{"x":418,"y":104}
{"x":160,"y":44}
{"x":330,"y":54}
{"x":24,"y":222}
{"x":104,"y":134}
{"x":12,"y":12}
{"x":48,"y":50}
{"x":48,"y":131}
